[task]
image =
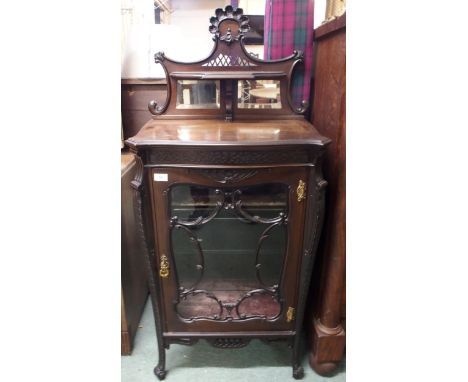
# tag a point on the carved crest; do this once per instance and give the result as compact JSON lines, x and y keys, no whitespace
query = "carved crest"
{"x":229,"y":14}
{"x":233,"y":71}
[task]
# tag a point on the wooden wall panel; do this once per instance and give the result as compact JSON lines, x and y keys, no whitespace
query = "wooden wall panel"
{"x":329,"y":117}
{"x":135,"y":96}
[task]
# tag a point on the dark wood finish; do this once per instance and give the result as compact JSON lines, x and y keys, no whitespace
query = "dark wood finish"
{"x":255,"y":148}
{"x":216,"y":133}
{"x":135,"y":96}
{"x":134,"y":289}
{"x":288,"y":175}
{"x":326,"y":323}
{"x":125,"y":338}
{"x":330,"y":27}
{"x":229,"y":60}
{"x":142,"y":81}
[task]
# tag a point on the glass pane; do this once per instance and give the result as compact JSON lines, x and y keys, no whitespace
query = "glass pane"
{"x":258,"y":94}
{"x":228,"y":246}
{"x":197,"y":94}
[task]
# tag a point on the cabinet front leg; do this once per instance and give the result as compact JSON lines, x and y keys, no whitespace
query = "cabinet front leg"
{"x":298,"y":372}
{"x":149,"y":256}
{"x":159,"y":370}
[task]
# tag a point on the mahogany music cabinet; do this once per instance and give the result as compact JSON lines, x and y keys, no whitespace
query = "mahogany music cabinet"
{"x":230,"y":197}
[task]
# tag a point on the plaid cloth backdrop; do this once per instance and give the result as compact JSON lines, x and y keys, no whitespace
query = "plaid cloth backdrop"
{"x":289,"y":25}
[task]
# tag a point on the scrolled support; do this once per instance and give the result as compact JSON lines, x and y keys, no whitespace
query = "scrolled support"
{"x":303,"y":108}
{"x":299,"y":55}
{"x":153,"y":107}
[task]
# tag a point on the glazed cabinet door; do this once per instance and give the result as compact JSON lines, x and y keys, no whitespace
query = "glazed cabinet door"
{"x":229,"y":244}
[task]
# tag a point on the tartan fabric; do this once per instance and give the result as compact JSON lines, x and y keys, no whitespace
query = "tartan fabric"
{"x":289,"y":25}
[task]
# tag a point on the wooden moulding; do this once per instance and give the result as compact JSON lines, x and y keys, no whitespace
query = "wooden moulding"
{"x":330,"y":27}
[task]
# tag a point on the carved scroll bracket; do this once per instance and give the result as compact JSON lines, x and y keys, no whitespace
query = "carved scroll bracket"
{"x":153,"y":105}
{"x":304,"y":104}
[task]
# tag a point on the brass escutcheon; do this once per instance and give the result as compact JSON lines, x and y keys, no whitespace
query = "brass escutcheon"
{"x":290,"y":314}
{"x":301,"y":189}
{"x":164,"y":267}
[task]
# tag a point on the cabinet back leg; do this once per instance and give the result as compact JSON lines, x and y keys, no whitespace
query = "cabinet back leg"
{"x":298,"y":370}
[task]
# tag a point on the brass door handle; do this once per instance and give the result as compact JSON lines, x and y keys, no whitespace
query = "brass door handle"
{"x":164,"y":267}
{"x":301,"y":191}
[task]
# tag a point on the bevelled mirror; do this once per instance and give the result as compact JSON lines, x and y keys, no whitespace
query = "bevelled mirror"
{"x":258,"y":94}
{"x":197,"y":94}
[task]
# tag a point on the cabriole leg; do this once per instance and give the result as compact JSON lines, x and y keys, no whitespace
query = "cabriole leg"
{"x":160,"y":369}
{"x":149,"y":255}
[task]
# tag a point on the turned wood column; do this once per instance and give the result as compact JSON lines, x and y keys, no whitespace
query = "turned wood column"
{"x":326,"y":327}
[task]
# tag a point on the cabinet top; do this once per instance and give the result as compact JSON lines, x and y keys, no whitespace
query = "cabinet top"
{"x":220,"y":133}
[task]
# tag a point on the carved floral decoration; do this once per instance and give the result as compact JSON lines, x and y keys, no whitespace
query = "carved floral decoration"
{"x":229,"y":13}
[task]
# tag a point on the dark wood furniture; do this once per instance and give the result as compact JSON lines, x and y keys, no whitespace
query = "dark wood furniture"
{"x":135,"y":95}
{"x":327,"y":319}
{"x":229,"y":195}
{"x":134,"y":286}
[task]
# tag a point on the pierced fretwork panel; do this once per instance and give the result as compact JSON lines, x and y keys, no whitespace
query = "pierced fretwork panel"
{"x":228,"y":246}
{"x":229,"y":60}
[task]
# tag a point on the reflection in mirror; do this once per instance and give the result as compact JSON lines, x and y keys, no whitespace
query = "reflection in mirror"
{"x":197,"y":94}
{"x":258,"y":94}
